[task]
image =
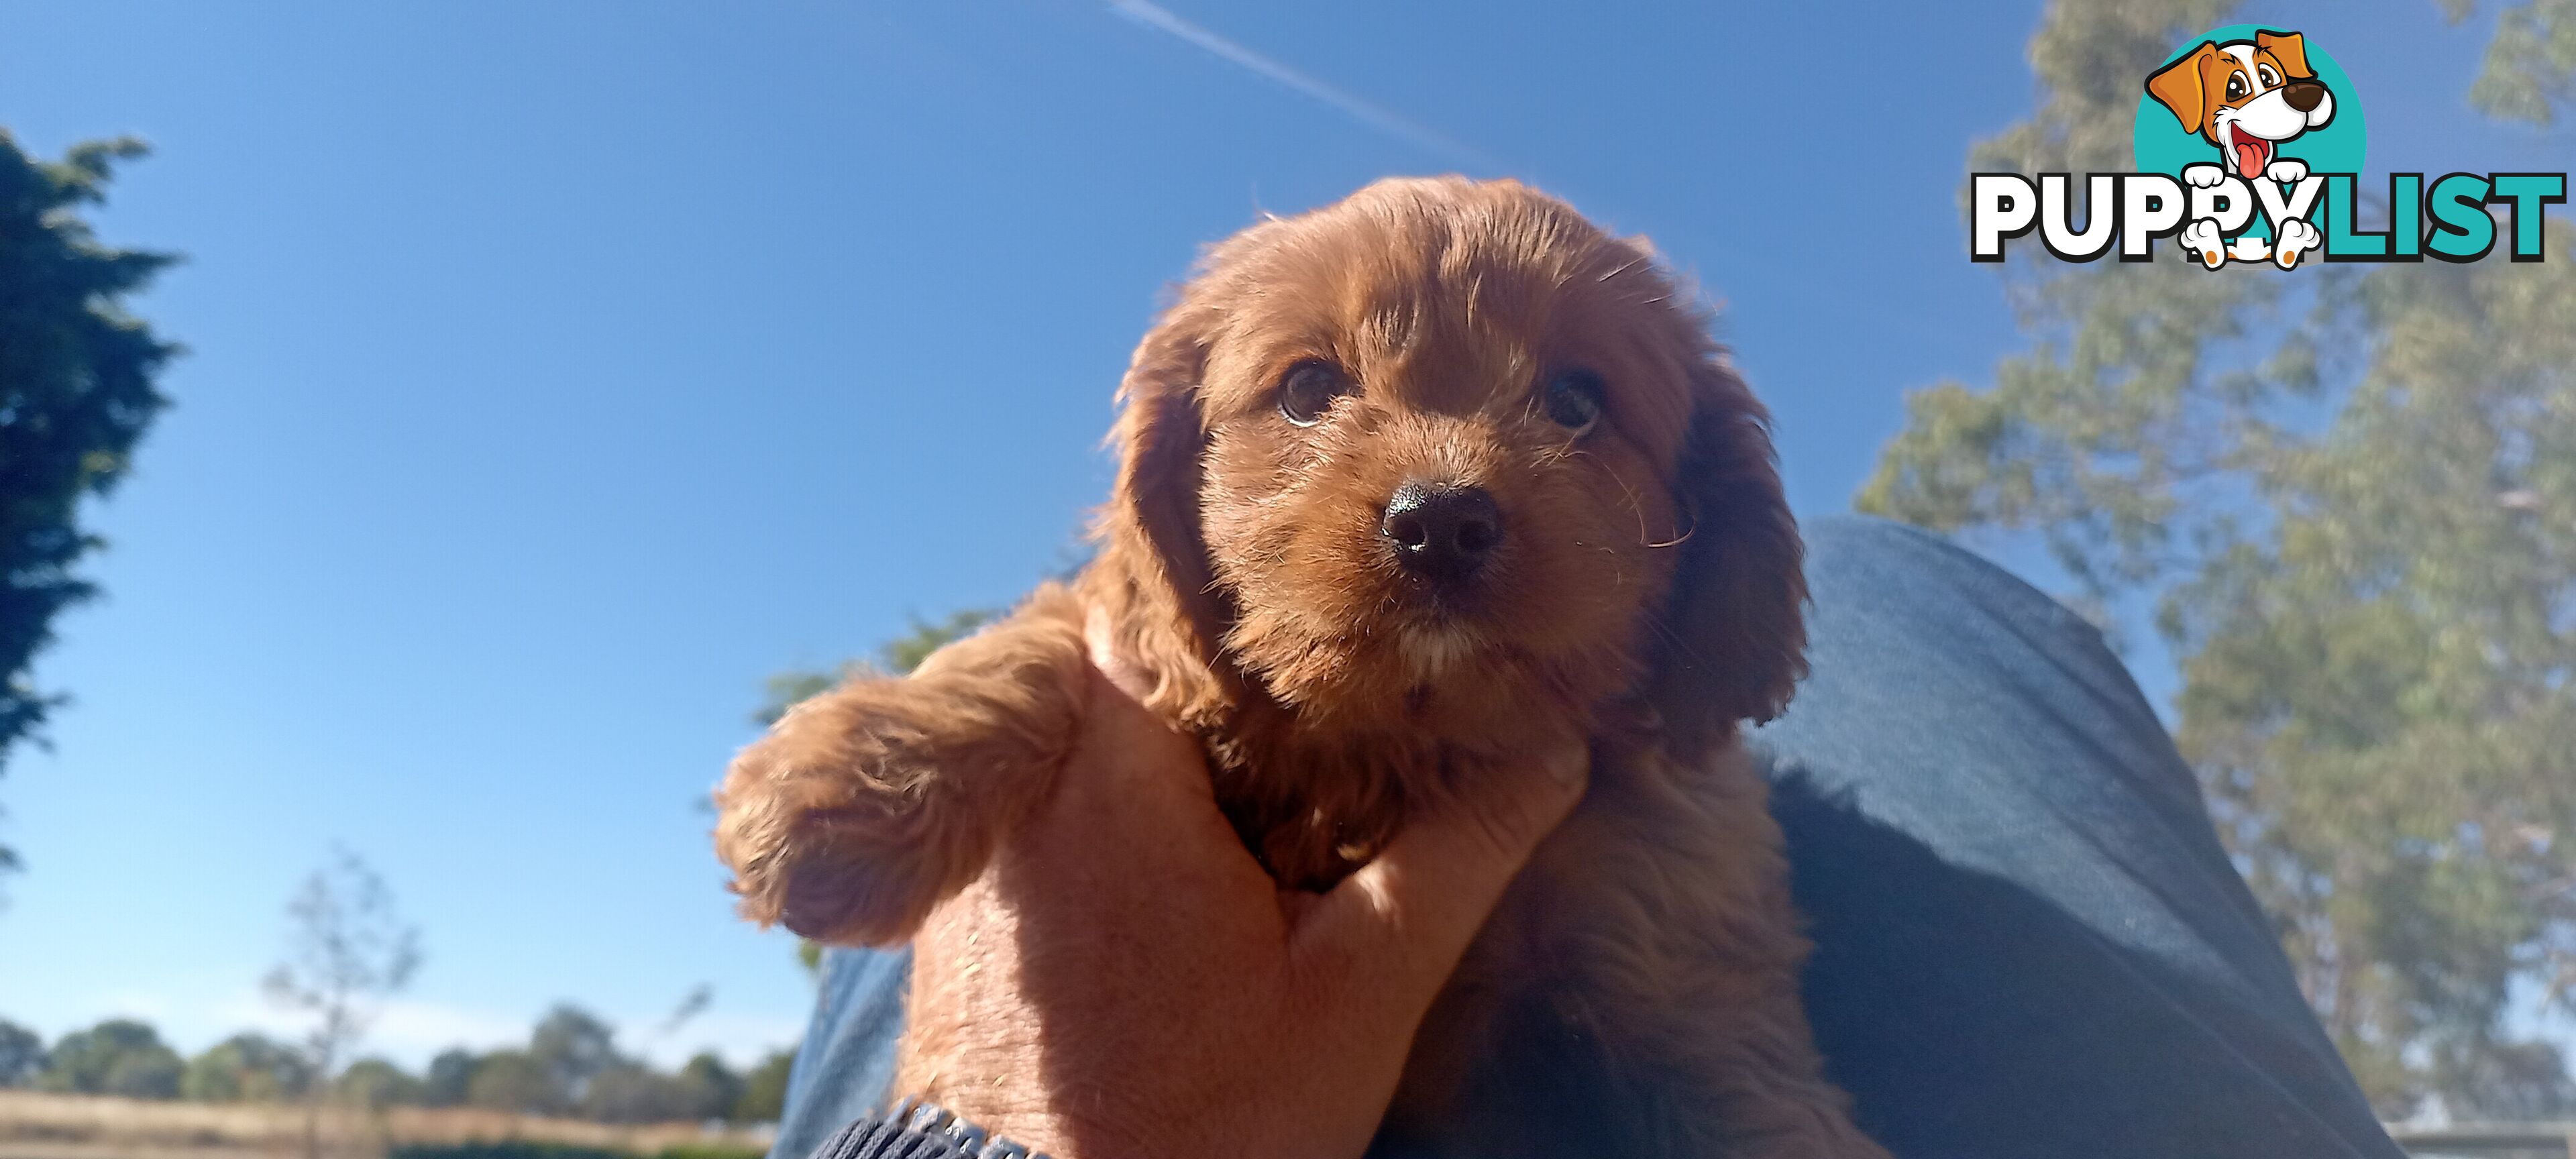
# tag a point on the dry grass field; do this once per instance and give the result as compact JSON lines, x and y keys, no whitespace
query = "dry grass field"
{"x":47,"y":1126}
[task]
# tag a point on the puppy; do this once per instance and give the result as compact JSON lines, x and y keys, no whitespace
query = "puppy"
{"x":2247,"y":97}
{"x":1410,"y":484}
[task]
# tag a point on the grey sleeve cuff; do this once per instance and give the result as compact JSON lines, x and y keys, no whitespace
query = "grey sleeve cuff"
{"x":916,"y":1129}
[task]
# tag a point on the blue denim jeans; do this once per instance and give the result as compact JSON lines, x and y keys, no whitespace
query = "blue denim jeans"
{"x":2028,"y":940}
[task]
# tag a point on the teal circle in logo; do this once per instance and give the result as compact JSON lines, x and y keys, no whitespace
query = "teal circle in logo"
{"x":2164,"y":143}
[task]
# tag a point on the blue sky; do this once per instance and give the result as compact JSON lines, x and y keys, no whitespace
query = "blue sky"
{"x":557,"y":371}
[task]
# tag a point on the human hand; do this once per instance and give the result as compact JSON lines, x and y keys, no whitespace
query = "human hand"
{"x":1125,"y":982}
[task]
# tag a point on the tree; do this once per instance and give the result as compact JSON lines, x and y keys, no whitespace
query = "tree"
{"x":575,"y":1047}
{"x":117,"y":1057}
{"x":22,"y":1055}
{"x":2531,"y":65}
{"x":377,"y":1082}
{"x":513,"y":1080}
{"x":764,"y":1090}
{"x":2348,"y":499}
{"x":144,"y":1074}
{"x":572,"y":1066}
{"x":348,"y":951}
{"x":76,"y":394}
{"x":630,"y":1092}
{"x":450,"y":1075}
{"x":897,"y":656}
{"x":708,"y":1089}
{"x":246,"y":1067}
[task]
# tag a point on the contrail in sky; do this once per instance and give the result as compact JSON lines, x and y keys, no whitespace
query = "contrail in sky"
{"x":1160,"y":19}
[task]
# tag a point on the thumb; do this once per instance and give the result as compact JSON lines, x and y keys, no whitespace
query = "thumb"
{"x":1404,"y":919}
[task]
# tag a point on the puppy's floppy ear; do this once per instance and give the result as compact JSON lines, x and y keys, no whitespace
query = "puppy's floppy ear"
{"x":1153,"y":515}
{"x":2178,"y":87}
{"x":1738,"y":635}
{"x":2290,"y":48}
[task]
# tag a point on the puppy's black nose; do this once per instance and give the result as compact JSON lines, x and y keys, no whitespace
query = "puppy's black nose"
{"x":2303,"y":95}
{"x":1441,"y":530}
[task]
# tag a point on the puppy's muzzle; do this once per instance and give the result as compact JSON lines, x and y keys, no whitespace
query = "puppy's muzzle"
{"x":1441,"y":531}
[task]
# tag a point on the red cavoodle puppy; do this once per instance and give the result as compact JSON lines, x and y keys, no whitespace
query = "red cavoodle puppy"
{"x":1410,"y":484}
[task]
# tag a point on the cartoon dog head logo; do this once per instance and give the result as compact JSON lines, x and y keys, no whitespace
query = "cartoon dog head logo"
{"x":2246,"y":97}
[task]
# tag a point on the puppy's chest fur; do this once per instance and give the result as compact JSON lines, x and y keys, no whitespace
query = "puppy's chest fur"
{"x":1313,"y":811}
{"x":1640,"y":947}
{"x":1316,"y":801}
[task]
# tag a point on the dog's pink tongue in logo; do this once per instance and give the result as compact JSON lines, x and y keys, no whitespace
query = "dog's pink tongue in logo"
{"x":2252,"y":152}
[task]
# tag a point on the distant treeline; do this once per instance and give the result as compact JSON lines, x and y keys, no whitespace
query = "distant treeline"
{"x":571,"y":1066}
{"x":526,"y":1149}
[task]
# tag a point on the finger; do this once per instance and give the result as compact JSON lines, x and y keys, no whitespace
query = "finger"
{"x":1133,"y":748}
{"x":1102,"y":640}
{"x":1118,"y":731}
{"x":1136,"y":791}
{"x":1404,"y":919}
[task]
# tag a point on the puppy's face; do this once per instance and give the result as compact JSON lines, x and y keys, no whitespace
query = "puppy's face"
{"x":2246,"y":97}
{"x":1452,"y":447}
{"x":1439,"y":462}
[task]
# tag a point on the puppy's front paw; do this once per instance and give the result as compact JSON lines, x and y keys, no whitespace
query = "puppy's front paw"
{"x":2287,"y":171}
{"x":2297,"y":237}
{"x":2203,"y":176}
{"x":2202,"y":238}
{"x":825,"y":837}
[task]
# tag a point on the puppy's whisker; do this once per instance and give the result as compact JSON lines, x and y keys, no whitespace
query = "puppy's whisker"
{"x":1638,"y":506}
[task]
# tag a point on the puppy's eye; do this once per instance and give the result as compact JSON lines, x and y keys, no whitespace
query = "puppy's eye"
{"x":1308,"y":390}
{"x":2235,"y":85}
{"x":2269,"y":78}
{"x":1573,"y":399}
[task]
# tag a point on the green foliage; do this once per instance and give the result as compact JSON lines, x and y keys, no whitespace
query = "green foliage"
{"x":574,"y":1046}
{"x":897,"y":656}
{"x":377,"y":1082}
{"x":521,"y":1149}
{"x":513,"y":1080}
{"x":708,"y":1088}
{"x":144,"y":1075}
{"x":76,"y":393}
{"x":2350,"y":496}
{"x":631,"y":1092}
{"x":906,"y":652}
{"x":503,"y":1149}
{"x":117,"y":1057}
{"x":708,"y":1151}
{"x":246,"y":1066}
{"x":446,"y":1081}
{"x":2531,"y":64}
{"x":572,"y":1066}
{"x":22,"y":1055}
{"x":764,"y":1090}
